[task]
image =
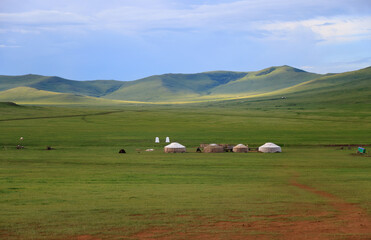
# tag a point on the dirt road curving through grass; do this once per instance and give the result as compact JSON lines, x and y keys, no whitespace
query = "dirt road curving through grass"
{"x":349,"y":220}
{"x":343,"y":221}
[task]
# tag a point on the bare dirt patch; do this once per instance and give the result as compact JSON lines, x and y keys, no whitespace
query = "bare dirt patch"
{"x":151,"y":233}
{"x":87,"y":237}
{"x":350,"y":219}
{"x":343,"y":221}
{"x":5,"y":234}
{"x":346,"y":221}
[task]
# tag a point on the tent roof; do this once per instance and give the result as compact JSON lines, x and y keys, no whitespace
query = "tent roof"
{"x":240,"y":146}
{"x":175,"y":145}
{"x":270,"y":145}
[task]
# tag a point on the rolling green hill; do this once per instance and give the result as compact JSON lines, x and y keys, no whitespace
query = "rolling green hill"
{"x":343,"y":88}
{"x":169,"y":87}
{"x":210,"y":85}
{"x":8,"y":82}
{"x":174,"y":86}
{"x":8,"y":105}
{"x":56,"y":84}
{"x":31,"y":95}
{"x":181,"y":88}
{"x":266,"y":80}
{"x":350,"y":90}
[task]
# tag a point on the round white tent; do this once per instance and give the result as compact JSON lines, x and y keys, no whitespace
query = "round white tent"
{"x":175,"y":148}
{"x":240,"y":148}
{"x":270,"y":148}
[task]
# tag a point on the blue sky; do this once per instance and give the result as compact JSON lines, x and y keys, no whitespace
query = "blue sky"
{"x":127,"y":40}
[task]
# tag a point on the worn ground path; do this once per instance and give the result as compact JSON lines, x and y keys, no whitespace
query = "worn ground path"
{"x":346,"y":222}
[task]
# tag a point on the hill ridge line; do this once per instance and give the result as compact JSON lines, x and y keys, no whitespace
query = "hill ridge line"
{"x":176,"y":88}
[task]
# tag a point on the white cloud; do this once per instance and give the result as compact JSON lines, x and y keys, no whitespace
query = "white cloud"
{"x":8,"y":46}
{"x":236,"y":15}
{"x":338,"y":66}
{"x":42,"y":17}
{"x":263,"y":19}
{"x":329,"y":30}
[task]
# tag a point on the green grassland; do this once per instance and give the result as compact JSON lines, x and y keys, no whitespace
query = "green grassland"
{"x":85,"y":187}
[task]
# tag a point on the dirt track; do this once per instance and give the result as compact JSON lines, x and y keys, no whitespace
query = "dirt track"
{"x":349,"y":222}
{"x":346,"y":221}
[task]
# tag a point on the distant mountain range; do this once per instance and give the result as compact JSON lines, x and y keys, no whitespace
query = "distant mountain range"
{"x":217,"y":85}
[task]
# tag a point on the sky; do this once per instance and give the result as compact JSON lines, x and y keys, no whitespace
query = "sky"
{"x":128,"y":40}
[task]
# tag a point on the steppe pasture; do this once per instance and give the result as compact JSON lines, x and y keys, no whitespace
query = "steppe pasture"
{"x":85,"y":189}
{"x":87,"y":87}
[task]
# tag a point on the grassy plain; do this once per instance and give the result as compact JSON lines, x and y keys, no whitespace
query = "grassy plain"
{"x":85,"y":188}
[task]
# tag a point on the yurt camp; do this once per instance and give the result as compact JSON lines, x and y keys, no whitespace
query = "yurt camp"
{"x":213,"y":148}
{"x":270,"y":148}
{"x":240,"y":148}
{"x":175,"y":148}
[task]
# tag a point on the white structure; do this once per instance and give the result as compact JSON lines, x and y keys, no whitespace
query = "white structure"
{"x":270,"y":148}
{"x":175,"y":148}
{"x":157,"y":140}
{"x":167,"y":139}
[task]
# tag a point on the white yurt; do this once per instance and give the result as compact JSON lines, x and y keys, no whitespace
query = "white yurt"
{"x":270,"y":148}
{"x":240,"y":148}
{"x":175,"y":148}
